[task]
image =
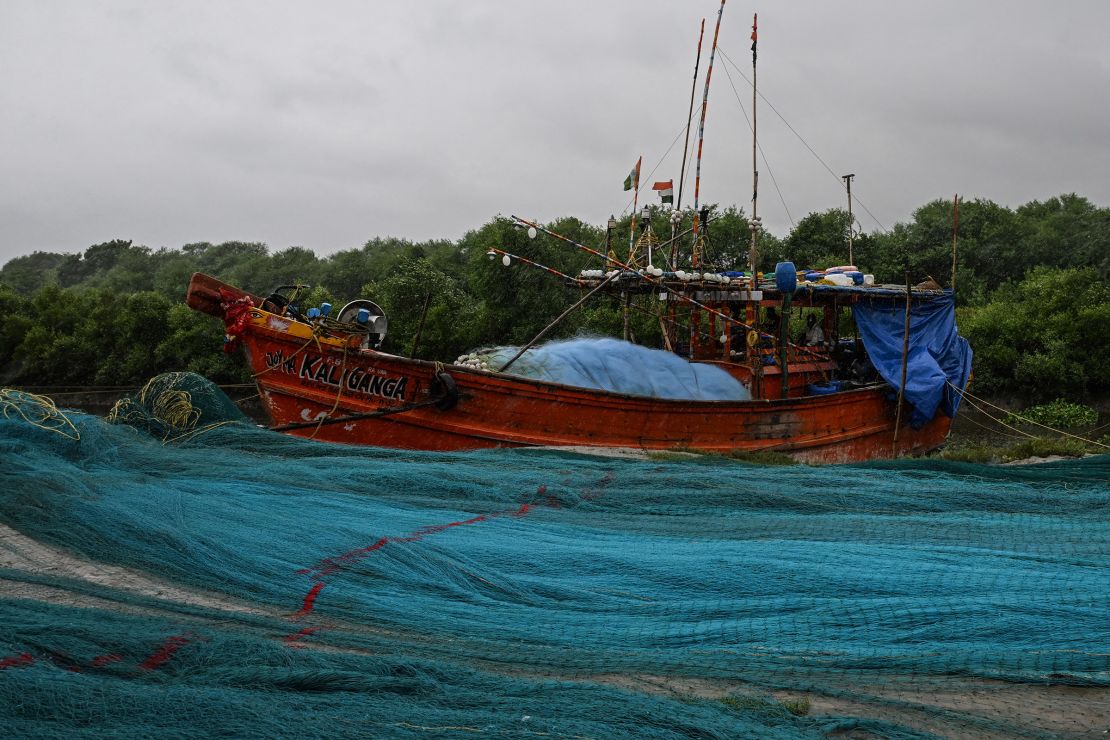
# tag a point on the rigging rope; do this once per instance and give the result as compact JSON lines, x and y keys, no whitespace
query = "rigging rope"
{"x":965,"y":395}
{"x":804,"y":142}
{"x":766,"y":163}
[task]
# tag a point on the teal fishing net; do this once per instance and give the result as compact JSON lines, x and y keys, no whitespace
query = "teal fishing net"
{"x":613,"y":365}
{"x":220,"y":578}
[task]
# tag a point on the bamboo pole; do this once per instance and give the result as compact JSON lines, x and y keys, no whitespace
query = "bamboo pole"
{"x":755,"y":164}
{"x":701,"y":121}
{"x":527,"y":261}
{"x":784,"y":342}
{"x":955,"y":230}
{"x":905,"y":360}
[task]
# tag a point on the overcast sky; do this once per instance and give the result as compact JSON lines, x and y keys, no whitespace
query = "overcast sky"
{"x":325,"y":124}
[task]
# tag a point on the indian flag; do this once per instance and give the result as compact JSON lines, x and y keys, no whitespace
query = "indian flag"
{"x":666,"y":190}
{"x":633,"y":179}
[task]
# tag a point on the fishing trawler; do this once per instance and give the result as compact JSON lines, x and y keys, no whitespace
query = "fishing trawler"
{"x":891,"y":389}
{"x":324,"y":378}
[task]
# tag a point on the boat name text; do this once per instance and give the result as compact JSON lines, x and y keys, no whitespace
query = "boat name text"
{"x":317,"y":369}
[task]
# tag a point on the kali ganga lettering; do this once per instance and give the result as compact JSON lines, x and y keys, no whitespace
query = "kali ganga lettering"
{"x":316,"y":369}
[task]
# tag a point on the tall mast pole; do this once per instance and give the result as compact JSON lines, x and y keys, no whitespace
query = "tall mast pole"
{"x":755,"y":163}
{"x":675,"y":217}
{"x":701,"y":122}
{"x":689,"y":117}
{"x":848,"y":183}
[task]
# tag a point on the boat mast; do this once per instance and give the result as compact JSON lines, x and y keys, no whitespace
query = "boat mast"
{"x":701,"y":128}
{"x":754,"y":223}
{"x":685,"y":148}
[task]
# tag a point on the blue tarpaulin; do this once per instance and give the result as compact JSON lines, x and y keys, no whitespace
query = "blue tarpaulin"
{"x":938,"y":355}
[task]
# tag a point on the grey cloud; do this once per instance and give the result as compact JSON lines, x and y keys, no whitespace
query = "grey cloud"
{"x":327,"y":125}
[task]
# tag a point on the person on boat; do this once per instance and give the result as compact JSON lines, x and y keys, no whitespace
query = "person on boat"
{"x":815,"y":335}
{"x":771,"y":322}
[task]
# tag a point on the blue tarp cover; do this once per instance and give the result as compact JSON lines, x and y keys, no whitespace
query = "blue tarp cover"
{"x":938,"y":354}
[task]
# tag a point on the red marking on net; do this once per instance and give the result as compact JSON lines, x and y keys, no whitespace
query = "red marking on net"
{"x":309,"y":601}
{"x":291,"y":640}
{"x":330,"y":565}
{"x":17,"y":661}
{"x":162,"y":655}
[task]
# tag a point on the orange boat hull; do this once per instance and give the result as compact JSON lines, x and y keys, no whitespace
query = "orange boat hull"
{"x":302,"y":384}
{"x":329,"y":390}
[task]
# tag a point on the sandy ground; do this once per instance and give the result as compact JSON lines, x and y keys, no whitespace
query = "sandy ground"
{"x":18,"y":552}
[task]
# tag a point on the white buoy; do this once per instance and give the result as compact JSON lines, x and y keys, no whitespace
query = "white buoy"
{"x":532,"y":232}
{"x":506,"y":261}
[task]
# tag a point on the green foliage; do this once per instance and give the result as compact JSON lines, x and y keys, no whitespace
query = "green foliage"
{"x":1059,"y":414}
{"x":16,"y":311}
{"x":101,"y":337}
{"x":192,"y":342}
{"x":1030,"y":280}
{"x":1044,"y":337}
{"x":451,"y":320}
{"x":821,"y":240}
{"x":1033,"y":447}
{"x":31,"y":272}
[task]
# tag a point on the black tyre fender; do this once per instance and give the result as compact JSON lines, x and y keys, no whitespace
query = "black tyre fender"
{"x":443,"y":385}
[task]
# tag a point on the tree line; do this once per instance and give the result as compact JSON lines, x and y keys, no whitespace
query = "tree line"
{"x":1032,"y":291}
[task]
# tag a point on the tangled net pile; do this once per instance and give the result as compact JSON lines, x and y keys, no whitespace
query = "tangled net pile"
{"x":240,"y":582}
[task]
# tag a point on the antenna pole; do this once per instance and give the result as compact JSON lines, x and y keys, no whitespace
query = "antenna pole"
{"x":848,"y":184}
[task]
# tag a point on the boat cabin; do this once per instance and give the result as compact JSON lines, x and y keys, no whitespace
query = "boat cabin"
{"x":780,"y":343}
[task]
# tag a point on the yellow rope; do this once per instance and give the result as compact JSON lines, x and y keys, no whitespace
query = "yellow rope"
{"x":171,"y":406}
{"x":966,"y":395}
{"x":38,"y":411}
{"x":338,"y":394}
